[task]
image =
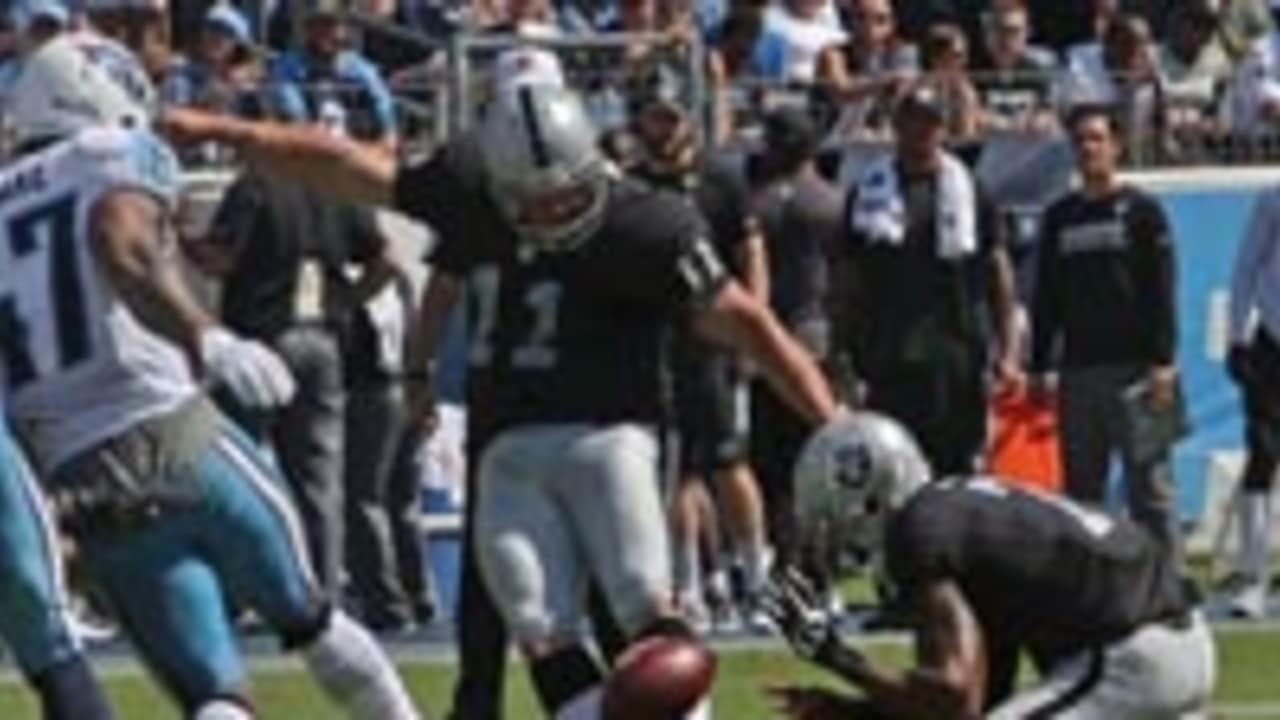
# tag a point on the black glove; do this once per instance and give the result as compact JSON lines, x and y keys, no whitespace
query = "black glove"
{"x":796,"y":608}
{"x":1240,"y":365}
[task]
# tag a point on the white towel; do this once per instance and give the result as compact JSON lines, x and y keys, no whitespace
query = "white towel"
{"x":879,"y":213}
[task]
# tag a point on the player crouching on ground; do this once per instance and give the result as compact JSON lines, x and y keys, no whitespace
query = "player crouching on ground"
{"x":987,"y":571}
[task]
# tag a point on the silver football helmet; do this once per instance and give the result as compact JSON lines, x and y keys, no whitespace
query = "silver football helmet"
{"x":851,"y":476}
{"x":544,"y":166}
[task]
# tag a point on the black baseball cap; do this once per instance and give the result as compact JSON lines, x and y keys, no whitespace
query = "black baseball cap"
{"x":921,"y":101}
{"x":790,"y":131}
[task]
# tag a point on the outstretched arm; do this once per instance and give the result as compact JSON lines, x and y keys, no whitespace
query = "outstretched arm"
{"x":337,"y":167}
{"x":737,"y":320}
{"x":948,"y":682}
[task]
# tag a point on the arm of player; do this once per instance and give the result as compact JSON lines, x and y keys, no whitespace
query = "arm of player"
{"x":735,"y":319}
{"x":337,"y":167}
{"x":949,"y":680}
{"x":136,"y":249}
{"x":439,"y":296}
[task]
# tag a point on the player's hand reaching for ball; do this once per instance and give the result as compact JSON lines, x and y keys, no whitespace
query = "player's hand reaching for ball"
{"x":797,"y":609}
{"x":251,"y":371}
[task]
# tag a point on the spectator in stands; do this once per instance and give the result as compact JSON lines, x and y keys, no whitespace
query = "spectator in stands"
{"x":1194,"y":71}
{"x":946,"y":63}
{"x":1104,"y":316}
{"x":741,"y":49}
{"x":863,"y":78}
{"x":1192,"y":66}
{"x":1254,"y":97}
{"x":803,"y":32}
{"x":924,"y":252}
{"x":1060,"y":25}
{"x":800,"y":215}
{"x":530,"y":18}
{"x":391,"y":51}
{"x":220,"y":72}
{"x":742,"y":57}
{"x":140,"y":25}
{"x":324,"y":81}
{"x":1241,"y":24}
{"x":1016,"y":86}
{"x":1123,"y":73}
{"x":1254,"y":365}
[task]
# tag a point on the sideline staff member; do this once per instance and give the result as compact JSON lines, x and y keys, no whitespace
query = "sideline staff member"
{"x":1105,"y":294}
{"x":925,"y":252}
{"x":1254,"y":364}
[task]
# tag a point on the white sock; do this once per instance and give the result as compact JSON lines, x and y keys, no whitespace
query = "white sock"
{"x":584,"y":706}
{"x":355,"y":673}
{"x":688,"y":570}
{"x":222,"y":710}
{"x":718,"y":584}
{"x":701,"y":711}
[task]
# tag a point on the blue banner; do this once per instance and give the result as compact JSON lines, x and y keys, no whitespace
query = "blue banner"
{"x":1208,"y":224}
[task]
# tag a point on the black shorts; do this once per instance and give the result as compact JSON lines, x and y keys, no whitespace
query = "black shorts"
{"x":1261,"y":406}
{"x":712,"y":413}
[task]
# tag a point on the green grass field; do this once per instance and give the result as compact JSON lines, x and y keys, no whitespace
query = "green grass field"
{"x":1249,"y":685}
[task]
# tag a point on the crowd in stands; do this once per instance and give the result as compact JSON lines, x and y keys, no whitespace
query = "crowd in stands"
{"x":1187,"y":75}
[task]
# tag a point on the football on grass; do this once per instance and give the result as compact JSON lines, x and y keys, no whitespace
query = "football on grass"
{"x":659,"y":678}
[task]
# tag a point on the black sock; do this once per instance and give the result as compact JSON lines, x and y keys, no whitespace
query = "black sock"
{"x":564,"y":675}
{"x":69,"y":691}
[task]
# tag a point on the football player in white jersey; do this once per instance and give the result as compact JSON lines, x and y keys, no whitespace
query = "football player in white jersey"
{"x":104,"y":352}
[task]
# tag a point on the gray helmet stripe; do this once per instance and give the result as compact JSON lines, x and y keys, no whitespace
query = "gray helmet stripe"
{"x":538,"y":144}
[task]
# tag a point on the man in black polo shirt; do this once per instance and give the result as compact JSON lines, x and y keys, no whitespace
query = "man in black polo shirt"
{"x":280,"y":250}
{"x":926,"y":254}
{"x":1104,"y":314}
{"x":800,"y":213}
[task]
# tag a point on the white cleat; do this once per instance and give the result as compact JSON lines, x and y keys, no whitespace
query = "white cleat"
{"x":695,"y":612}
{"x":1250,"y":602}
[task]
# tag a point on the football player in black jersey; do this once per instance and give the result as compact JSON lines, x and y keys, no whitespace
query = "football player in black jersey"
{"x":575,"y":277}
{"x":988,"y":571}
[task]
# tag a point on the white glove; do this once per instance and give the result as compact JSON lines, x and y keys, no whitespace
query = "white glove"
{"x":254,"y":373}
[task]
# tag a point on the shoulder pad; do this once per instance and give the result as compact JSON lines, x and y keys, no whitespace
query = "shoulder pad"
{"x":133,"y":158}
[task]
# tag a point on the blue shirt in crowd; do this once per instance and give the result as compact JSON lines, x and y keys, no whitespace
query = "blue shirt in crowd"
{"x":349,"y":92}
